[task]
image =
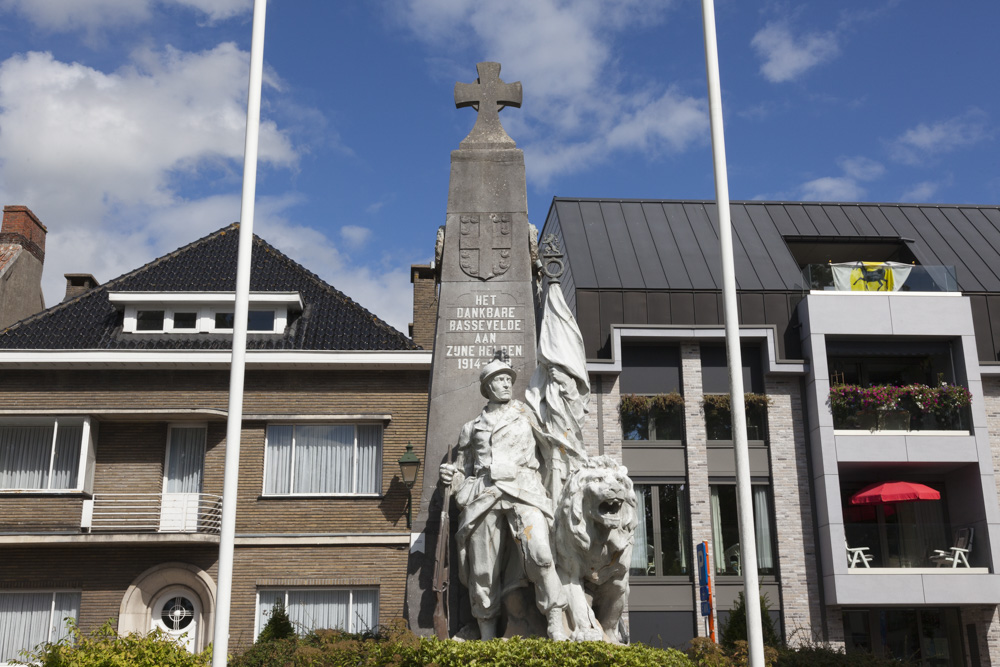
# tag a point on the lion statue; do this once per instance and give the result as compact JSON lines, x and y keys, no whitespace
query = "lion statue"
{"x":594,"y":530}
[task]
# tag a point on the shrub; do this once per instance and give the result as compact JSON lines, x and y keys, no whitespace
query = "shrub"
{"x":818,"y":655}
{"x":278,"y":625}
{"x":273,"y":653}
{"x":105,"y":648}
{"x":399,"y":647}
{"x":736,"y":628}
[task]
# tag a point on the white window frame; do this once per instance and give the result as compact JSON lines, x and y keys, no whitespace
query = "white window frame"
{"x":205,"y":322}
{"x":85,"y":470}
{"x":354,"y":458}
{"x":284,"y":590}
{"x":52,"y":610}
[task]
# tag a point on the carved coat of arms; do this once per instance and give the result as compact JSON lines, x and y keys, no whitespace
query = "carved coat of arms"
{"x":485,"y":245}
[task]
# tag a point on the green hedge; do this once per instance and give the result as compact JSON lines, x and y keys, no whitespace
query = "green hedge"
{"x":400,"y":648}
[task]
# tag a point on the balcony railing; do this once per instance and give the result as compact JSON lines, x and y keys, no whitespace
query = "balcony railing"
{"x":901,"y":545}
{"x":913,"y":278}
{"x":153,"y":513}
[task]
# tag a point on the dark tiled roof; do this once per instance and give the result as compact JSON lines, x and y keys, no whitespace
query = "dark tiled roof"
{"x":330,"y":320}
{"x":674,"y":245}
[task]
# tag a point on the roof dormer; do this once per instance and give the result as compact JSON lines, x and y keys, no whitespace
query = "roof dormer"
{"x":203,"y":312}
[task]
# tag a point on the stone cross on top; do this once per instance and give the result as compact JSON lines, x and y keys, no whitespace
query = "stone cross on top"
{"x":488,"y":95}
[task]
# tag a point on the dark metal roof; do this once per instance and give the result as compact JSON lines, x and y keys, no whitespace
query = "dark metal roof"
{"x":670,"y":244}
{"x":330,"y":320}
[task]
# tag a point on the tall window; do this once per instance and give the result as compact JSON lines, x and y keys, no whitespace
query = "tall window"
{"x":726,"y":530}
{"x":40,"y":456}
{"x":323,"y":459}
{"x":662,"y":541}
{"x":349,"y":609}
{"x":29,"y":619}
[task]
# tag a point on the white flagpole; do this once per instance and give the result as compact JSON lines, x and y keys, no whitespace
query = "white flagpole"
{"x":234,"y":424}
{"x":748,"y":544}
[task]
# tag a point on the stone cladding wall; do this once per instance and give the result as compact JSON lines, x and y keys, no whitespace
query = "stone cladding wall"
{"x":790,"y":479}
{"x":696,"y":439}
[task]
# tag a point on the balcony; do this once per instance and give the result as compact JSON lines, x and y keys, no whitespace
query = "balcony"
{"x":153,"y":513}
{"x":907,"y":545}
{"x":879,"y":277}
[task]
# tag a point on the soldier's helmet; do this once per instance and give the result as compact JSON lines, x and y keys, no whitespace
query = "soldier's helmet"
{"x":493,"y":369}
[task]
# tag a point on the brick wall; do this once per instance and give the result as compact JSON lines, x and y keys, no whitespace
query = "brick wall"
{"x":797,"y":557}
{"x":425,"y":305}
{"x":696,"y":450}
{"x":279,"y":567}
{"x":23,"y":227}
{"x":130,"y":455}
{"x":101,"y":572}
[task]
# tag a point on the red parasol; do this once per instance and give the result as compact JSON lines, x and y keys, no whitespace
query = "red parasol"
{"x":881,"y":493}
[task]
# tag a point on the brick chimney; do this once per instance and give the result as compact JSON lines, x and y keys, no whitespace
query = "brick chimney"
{"x":23,"y":227}
{"x":425,"y":305}
{"x":78,"y":283}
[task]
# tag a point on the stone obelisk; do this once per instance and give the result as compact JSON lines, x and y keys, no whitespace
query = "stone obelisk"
{"x":485,"y":305}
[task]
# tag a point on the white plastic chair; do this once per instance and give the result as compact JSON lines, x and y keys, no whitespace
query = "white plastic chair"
{"x":857,"y":555}
{"x":956,"y":554}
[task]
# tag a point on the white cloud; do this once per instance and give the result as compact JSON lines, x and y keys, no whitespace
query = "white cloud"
{"x":578,"y":104}
{"x":787,"y":57}
{"x":91,"y":15}
{"x":921,"y":192}
{"x":925,"y":140}
{"x":832,"y":188}
{"x":843,"y":188}
{"x":861,"y":168}
{"x":355,"y":236}
{"x":80,"y":143}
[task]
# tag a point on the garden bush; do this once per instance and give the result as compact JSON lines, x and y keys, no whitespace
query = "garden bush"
{"x":105,"y":648}
{"x":736,"y":627}
{"x":398,"y":647}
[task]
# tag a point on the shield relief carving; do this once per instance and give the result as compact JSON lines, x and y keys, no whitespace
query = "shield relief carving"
{"x":485,"y":245}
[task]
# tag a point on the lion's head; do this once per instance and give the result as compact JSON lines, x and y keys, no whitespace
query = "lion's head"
{"x":598,"y":502}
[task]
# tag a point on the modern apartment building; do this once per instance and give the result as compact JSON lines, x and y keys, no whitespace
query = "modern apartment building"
{"x":832,"y":298}
{"x":112,"y":446}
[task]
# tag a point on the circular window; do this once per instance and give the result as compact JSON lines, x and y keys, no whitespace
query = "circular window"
{"x":177,"y":612}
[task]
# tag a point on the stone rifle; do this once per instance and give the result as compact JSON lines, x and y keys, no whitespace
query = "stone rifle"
{"x":441,"y":567}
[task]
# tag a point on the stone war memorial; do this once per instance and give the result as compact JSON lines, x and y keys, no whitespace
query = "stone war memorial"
{"x":519,"y":532}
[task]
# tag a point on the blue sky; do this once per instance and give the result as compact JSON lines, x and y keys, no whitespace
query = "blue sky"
{"x":122,"y":121}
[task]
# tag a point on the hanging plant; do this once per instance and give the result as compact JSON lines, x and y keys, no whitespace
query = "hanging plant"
{"x":718,"y":415}
{"x":717,"y":402}
{"x":659,"y":416}
{"x":944,"y":402}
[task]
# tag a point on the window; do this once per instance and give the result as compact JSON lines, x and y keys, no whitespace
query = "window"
{"x":149,"y":320}
{"x":257,"y":320}
{"x":174,"y":315}
{"x":662,"y":544}
{"x":323,"y":459}
{"x":659,"y":417}
{"x":925,"y":636}
{"x":29,"y":619}
{"x":184,"y":320}
{"x":719,"y":417}
{"x":349,"y":609}
{"x":43,"y":455}
{"x":726,"y":529}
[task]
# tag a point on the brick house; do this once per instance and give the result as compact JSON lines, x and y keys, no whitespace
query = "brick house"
{"x":112,"y":444}
{"x":644,"y":280}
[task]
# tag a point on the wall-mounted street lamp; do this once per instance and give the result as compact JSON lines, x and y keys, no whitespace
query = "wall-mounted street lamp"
{"x":408,"y":466}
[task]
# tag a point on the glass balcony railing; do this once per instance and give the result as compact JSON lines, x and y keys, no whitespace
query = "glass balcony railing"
{"x":902,"y":420}
{"x":900,"y":545}
{"x":875,"y":277}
